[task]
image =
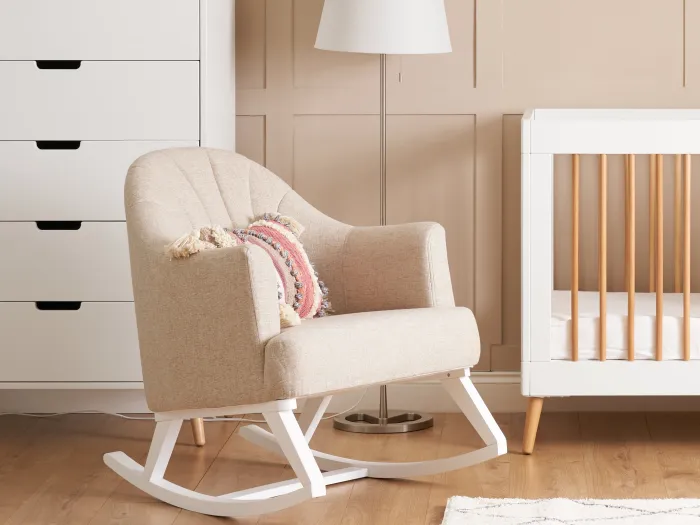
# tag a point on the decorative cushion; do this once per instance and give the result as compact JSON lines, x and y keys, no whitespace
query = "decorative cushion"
{"x":301,"y":295}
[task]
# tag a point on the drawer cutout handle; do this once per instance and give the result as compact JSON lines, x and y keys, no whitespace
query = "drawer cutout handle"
{"x":58,"y":305}
{"x":58,"y":144}
{"x":58,"y":64}
{"x":59,"y":225}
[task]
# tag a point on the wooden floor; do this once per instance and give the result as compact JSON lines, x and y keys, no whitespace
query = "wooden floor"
{"x":51,"y":470}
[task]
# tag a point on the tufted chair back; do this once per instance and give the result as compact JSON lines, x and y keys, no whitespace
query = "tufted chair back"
{"x":170,"y":192}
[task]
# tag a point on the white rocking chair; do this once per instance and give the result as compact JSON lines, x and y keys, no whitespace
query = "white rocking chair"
{"x":210,"y":337}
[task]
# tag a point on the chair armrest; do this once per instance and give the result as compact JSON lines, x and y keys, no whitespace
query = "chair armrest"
{"x":396,"y":267}
{"x":203,"y":324}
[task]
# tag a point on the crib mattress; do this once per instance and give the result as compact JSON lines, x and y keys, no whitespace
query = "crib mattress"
{"x":644,"y":326}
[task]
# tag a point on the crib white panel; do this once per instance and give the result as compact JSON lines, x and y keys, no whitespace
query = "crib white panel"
{"x":525,"y":375}
{"x":612,"y":378}
{"x":686,"y":257}
{"x":525,"y":237}
{"x":538,"y":187}
{"x":593,"y":137}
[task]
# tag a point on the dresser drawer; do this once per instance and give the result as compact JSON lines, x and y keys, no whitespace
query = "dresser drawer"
{"x":100,"y":101}
{"x":86,"y":264}
{"x":96,"y":342}
{"x":99,"y":30}
{"x":68,"y":181}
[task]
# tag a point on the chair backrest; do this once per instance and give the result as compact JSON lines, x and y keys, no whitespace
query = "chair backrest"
{"x":170,"y":192}
{"x":190,"y":356}
{"x":180,"y":189}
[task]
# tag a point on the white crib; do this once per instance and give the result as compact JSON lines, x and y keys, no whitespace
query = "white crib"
{"x":601,"y":342}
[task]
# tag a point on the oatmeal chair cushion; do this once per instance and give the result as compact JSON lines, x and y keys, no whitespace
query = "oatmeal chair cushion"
{"x":348,"y":351}
{"x":209,"y":330}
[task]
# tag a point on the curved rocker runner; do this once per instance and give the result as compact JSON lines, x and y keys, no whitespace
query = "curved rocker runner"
{"x":290,"y":438}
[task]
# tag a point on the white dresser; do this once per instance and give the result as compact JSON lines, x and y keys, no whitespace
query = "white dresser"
{"x":86,"y":86}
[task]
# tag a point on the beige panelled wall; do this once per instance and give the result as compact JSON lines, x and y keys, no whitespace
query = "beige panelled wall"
{"x":453,"y":141}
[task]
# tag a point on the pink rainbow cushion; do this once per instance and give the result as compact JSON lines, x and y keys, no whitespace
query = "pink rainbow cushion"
{"x":298,"y":284}
{"x":279,"y":236}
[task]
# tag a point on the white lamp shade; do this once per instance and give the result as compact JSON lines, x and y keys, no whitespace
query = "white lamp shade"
{"x":392,"y":27}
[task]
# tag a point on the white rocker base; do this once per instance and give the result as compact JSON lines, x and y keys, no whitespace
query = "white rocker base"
{"x":289,"y":438}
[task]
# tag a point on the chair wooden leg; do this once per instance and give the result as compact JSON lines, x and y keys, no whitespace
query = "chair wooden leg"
{"x":532,"y":421}
{"x":198,"y":431}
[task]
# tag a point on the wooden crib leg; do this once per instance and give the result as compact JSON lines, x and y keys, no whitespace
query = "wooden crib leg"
{"x":198,"y":431}
{"x":532,"y":421}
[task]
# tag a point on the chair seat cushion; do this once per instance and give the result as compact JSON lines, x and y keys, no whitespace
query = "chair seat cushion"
{"x":342,"y":352}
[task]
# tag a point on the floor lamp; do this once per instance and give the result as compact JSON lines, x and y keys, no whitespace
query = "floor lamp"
{"x":384,"y":27}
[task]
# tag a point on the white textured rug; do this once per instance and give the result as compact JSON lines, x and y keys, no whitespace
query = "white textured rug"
{"x":481,"y":511}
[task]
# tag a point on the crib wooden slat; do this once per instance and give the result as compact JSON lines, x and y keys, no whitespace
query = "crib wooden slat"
{"x":686,"y":260}
{"x":677,"y":225}
{"x":652,"y":220}
{"x":631,"y":227}
{"x":603,"y":253}
{"x":627,"y":207}
{"x":576,"y":172}
{"x":659,"y":256}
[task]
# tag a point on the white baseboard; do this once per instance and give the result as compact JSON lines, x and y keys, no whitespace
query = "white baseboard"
{"x":501,"y":393}
{"x":500,"y":390}
{"x":66,"y":400}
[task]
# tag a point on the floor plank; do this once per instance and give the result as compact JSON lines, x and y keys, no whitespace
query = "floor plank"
{"x":16,"y":434}
{"x":381,"y":502}
{"x":620,"y":458}
{"x":331,"y":509}
{"x":557,"y":469}
{"x":48,"y":480}
{"x":128,"y":505}
{"x":51,"y":470}
{"x":238,"y":465}
{"x":459,"y":437}
{"x":676,"y":438}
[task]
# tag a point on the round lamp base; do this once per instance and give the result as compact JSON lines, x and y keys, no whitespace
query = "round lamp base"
{"x":369,"y":422}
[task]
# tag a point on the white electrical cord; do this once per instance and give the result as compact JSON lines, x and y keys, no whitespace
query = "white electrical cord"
{"x":262,"y":421}
{"x":55,"y":414}
{"x":151,"y":418}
